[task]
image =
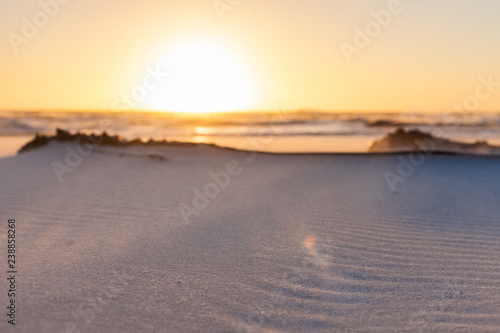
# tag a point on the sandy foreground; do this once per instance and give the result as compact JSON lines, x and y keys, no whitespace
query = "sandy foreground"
{"x":202,"y":239}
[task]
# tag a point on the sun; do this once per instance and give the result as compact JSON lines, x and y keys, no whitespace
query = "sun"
{"x":204,"y":76}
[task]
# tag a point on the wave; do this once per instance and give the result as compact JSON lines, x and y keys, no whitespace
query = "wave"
{"x":493,"y":124}
{"x":284,"y":124}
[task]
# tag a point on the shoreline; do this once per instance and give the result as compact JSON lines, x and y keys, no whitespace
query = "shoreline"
{"x":10,"y":145}
{"x":401,"y":142}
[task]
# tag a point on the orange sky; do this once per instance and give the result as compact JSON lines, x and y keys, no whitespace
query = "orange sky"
{"x":255,"y":54}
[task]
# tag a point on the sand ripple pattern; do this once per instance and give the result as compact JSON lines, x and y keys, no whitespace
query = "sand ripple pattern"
{"x":295,"y":243}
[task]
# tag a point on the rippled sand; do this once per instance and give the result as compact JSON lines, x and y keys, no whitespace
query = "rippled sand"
{"x":212,"y":240}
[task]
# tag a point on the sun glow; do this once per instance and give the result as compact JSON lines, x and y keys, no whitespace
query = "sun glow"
{"x":204,"y":76}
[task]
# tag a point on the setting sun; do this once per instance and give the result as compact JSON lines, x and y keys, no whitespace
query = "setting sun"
{"x":204,"y":76}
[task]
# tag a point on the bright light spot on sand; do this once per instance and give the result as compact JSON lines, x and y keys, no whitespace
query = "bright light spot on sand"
{"x":207,"y":76}
{"x":320,"y":260}
{"x":310,"y":242}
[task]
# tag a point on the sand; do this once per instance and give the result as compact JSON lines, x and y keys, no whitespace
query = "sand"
{"x":292,"y":243}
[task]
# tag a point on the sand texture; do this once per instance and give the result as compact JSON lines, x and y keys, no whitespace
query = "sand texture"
{"x":290,"y":243}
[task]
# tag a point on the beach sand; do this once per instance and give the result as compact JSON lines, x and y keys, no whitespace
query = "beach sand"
{"x":204,"y":239}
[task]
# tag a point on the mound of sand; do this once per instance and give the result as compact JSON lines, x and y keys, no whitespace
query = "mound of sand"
{"x":214,"y":240}
{"x":416,"y":141}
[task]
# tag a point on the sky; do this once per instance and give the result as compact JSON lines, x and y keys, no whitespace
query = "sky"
{"x":205,"y":55}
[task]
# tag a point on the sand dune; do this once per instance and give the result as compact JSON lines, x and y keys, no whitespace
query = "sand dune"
{"x":213,"y":240}
{"x":408,"y":141}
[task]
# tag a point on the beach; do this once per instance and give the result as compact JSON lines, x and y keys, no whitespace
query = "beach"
{"x":230,"y":166}
{"x":196,"y":238}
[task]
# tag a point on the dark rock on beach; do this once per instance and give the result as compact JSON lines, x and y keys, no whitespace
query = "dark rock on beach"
{"x":103,"y":139}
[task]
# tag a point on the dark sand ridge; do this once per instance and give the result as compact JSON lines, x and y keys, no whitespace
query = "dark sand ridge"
{"x":400,"y":141}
